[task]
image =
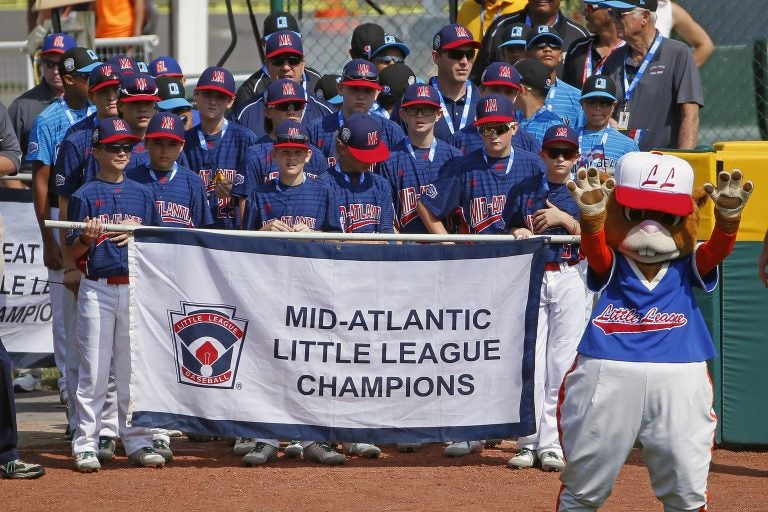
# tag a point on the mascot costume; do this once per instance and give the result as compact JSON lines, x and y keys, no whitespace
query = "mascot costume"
{"x":640,"y":375}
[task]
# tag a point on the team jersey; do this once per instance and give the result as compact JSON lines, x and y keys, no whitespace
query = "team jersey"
{"x":323,"y":133}
{"x":530,"y":196}
{"x":260,"y":169}
{"x":49,"y":129}
{"x":251,"y":115}
{"x":310,"y":203}
{"x":602,"y":148}
{"x":478,"y":185}
{"x":410,"y":172}
{"x":538,"y":123}
{"x":565,"y":101}
{"x":655,"y":322}
{"x":179,"y":195}
{"x":363,"y":200}
{"x":223,"y":152}
{"x":468,"y":140}
{"x":111,"y":203}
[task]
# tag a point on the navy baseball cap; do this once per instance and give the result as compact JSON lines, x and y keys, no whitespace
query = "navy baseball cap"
{"x":501,"y":73}
{"x":101,"y":76}
{"x":112,"y":129}
{"x":362,"y":135}
{"x":543,"y":33}
{"x":494,"y":109}
{"x":291,"y":134}
{"x":517,"y":35}
{"x":277,"y":21}
{"x":421,"y":94}
{"x":452,"y":36}
{"x":599,"y":86}
{"x":139,"y":87}
{"x":125,"y":65}
{"x":57,"y":43}
{"x":165,"y":66}
{"x":78,"y":60}
{"x":360,"y":73}
{"x":215,"y":78}
{"x":394,"y":79}
{"x":534,"y":73}
{"x":561,"y":133}
{"x":651,"y":5}
{"x":165,"y":125}
{"x":366,"y":38}
{"x":284,"y":41}
{"x":171,"y":92}
{"x":284,"y":90}
{"x":325,"y":89}
{"x":391,"y":41}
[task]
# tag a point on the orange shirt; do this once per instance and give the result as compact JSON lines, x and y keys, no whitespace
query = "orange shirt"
{"x":114,"y":18}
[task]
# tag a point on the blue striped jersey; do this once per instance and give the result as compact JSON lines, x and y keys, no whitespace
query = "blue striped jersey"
{"x":49,"y":129}
{"x":601,"y":155}
{"x":538,"y":123}
{"x":565,"y":100}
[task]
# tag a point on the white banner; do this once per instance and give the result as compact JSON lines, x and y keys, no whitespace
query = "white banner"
{"x":25,"y":305}
{"x":308,"y":340}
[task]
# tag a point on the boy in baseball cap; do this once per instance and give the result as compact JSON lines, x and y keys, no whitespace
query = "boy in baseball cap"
{"x":136,"y":100}
{"x":391,"y":51}
{"x":326,"y":90}
{"x":366,"y":38}
{"x":393,"y":80}
{"x":173,"y":98}
{"x":513,"y":48}
{"x":536,"y":80}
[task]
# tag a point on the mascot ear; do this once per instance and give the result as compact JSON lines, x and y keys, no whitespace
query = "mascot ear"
{"x":700,"y":197}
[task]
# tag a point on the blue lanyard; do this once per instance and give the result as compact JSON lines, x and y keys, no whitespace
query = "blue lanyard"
{"x":629,"y":89}
{"x":201,"y":136}
{"x":465,"y":112}
{"x":346,"y":176}
{"x":588,"y":61}
{"x":432,"y":148}
{"x":551,"y":96}
{"x":170,"y":176}
{"x":90,"y":109}
{"x":509,"y":163}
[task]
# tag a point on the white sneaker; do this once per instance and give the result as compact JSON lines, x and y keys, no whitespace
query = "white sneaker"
{"x":147,"y":457}
{"x":294,"y":450}
{"x":27,"y":383}
{"x":261,"y":454}
{"x":462,"y":448}
{"x":87,"y":462}
{"x":551,"y":461}
{"x":324,"y":454}
{"x":365,"y":450}
{"x":525,"y":459}
{"x":244,"y":445}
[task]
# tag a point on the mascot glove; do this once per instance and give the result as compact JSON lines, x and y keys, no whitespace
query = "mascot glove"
{"x":590,"y":195}
{"x":730,"y":196}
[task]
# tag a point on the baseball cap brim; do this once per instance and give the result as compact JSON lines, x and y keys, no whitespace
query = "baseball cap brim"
{"x":361,"y":83}
{"x":513,"y":42}
{"x":139,"y":97}
{"x":336,"y":100}
{"x":547,"y":143}
{"x":90,"y":67}
{"x":58,"y":51}
{"x":400,"y":46}
{"x":599,"y":94}
{"x":503,"y":83}
{"x":420,"y":102}
{"x":173,"y":103}
{"x":281,"y":51}
{"x":676,"y":204}
{"x":287,"y":100}
{"x":105,"y":83}
{"x":617,"y":4}
{"x":493,"y":120}
{"x":545,"y":35}
{"x":371,"y":156}
{"x":215,"y":88}
{"x":297,"y":145}
{"x":120,"y":136}
{"x":164,"y":135}
{"x":460,"y":42}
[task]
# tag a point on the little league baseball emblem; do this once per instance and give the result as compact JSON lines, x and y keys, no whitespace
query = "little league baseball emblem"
{"x":207,"y":343}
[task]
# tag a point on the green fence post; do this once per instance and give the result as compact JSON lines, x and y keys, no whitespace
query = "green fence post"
{"x":276,"y":5}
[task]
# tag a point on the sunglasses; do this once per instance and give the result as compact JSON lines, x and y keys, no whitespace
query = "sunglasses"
{"x":117,"y":148}
{"x":123,"y":93}
{"x":496,"y":129}
{"x":598,"y":103}
{"x":420,"y":111}
{"x":590,"y":8}
{"x":366,"y":78}
{"x":285,"y":107}
{"x":50,"y":64}
{"x":567,"y":154}
{"x":292,"y":60}
{"x":459,"y":54}
{"x":617,"y":15}
{"x":541,"y":46}
{"x":283,"y":138}
{"x":388,"y":59}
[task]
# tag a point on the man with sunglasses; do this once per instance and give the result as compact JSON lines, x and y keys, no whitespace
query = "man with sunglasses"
{"x":541,"y":205}
{"x":587,"y":56}
{"x":104,"y":294}
{"x":285,"y":60}
{"x":532,"y":112}
{"x":535,"y":14}
{"x":601,"y":144}
{"x":658,"y":85}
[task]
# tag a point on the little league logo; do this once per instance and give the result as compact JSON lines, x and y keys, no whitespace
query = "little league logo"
{"x":207,"y":343}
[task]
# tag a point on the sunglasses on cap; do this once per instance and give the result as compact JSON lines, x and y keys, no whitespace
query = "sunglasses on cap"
{"x":288,"y":105}
{"x":388,"y":59}
{"x":117,"y":148}
{"x":566,"y":153}
{"x":280,"y":60}
{"x":619,"y":14}
{"x":50,"y":64}
{"x":495,"y":129}
{"x":125,"y":93}
{"x":459,"y":54}
{"x":420,"y":111}
{"x":284,"y":138}
{"x":544,"y":44}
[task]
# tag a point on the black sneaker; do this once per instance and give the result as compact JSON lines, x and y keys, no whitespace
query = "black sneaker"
{"x":20,"y":469}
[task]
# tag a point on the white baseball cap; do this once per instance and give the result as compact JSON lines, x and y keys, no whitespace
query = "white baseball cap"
{"x":654,"y":181}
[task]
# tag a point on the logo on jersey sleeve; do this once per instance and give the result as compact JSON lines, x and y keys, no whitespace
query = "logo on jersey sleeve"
{"x":208,"y":340}
{"x":620,"y":320}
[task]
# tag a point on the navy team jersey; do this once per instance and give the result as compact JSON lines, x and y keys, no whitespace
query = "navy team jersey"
{"x":323,"y":133}
{"x":468,"y":140}
{"x":223,"y":152}
{"x":363,"y":201}
{"x":658,"y":322}
{"x":410,"y":176}
{"x":179,"y":195}
{"x":111,"y":203}
{"x":310,"y":203}
{"x":251,"y":115}
{"x":530,"y":196}
{"x":478,"y":186}
{"x":260,"y":169}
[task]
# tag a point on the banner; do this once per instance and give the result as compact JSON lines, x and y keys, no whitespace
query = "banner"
{"x":241,"y":336}
{"x":25,"y":305}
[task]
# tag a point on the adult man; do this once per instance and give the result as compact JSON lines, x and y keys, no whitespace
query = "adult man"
{"x":536,"y":13}
{"x":658,"y":86}
{"x":587,"y":55}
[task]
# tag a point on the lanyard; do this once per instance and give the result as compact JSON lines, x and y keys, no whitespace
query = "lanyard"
{"x":465,"y":112}
{"x":588,"y":61}
{"x":629,"y":89}
{"x":170,"y":175}
{"x":432,"y":148}
{"x":551,"y":96}
{"x":201,"y":136}
{"x":482,"y":17}
{"x":70,"y":116}
{"x":509,"y":163}
{"x":346,"y":176}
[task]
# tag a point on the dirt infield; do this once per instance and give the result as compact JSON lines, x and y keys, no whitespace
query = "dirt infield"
{"x":206,"y":476}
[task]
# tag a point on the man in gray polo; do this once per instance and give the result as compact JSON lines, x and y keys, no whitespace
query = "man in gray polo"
{"x":658,"y":85}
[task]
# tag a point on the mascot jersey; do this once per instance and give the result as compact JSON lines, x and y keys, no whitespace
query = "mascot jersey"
{"x":641,"y":321}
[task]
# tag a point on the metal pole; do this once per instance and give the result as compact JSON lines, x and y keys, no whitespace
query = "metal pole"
{"x":276,"y":5}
